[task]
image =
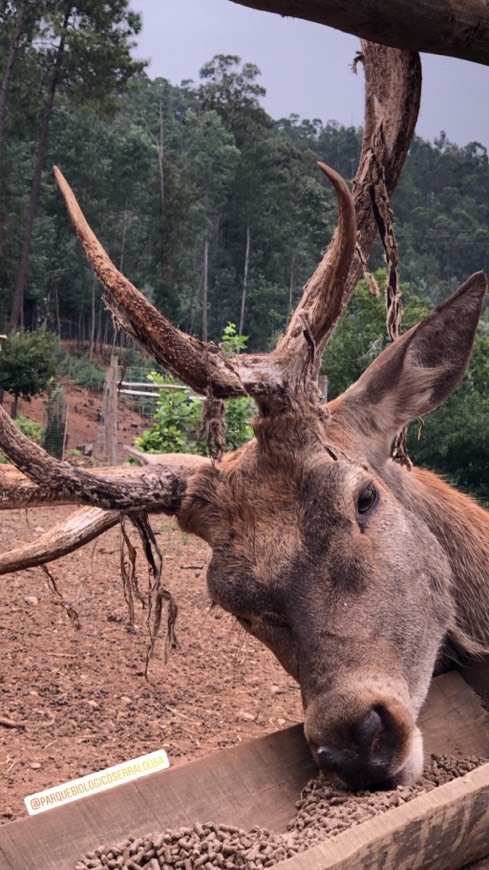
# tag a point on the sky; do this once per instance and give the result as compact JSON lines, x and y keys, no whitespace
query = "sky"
{"x":305,"y":67}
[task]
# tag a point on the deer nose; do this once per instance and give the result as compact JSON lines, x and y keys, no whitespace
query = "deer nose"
{"x":364,"y":762}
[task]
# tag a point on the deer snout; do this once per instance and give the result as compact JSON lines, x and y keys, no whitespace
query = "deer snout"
{"x":377,"y":748}
{"x":364,"y":762}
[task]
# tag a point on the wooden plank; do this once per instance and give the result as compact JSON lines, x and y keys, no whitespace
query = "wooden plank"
{"x":440,"y":830}
{"x":453,"y":721}
{"x":476,"y":675}
{"x":254,"y":784}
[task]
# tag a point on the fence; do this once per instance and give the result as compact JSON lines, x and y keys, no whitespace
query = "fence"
{"x":125,"y":388}
{"x":54,"y":426}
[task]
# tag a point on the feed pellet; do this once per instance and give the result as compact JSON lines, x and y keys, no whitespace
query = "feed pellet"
{"x":323,"y":810}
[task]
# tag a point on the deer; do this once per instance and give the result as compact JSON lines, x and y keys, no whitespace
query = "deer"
{"x":359,"y":573}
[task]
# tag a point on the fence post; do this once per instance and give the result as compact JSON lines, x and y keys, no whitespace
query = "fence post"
{"x":110,"y":413}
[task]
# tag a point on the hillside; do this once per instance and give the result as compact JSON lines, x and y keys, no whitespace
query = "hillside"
{"x":84,"y":425}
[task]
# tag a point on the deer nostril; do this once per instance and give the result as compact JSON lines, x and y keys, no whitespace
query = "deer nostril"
{"x":367,"y":731}
{"x":364,"y":761}
{"x":330,"y":757}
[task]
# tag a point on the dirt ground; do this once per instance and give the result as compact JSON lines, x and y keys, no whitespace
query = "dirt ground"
{"x":80,"y":698}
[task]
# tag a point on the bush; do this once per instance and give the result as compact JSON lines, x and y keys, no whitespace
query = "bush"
{"x":178,"y":416}
{"x":27,"y":427}
{"x":30,"y":428}
{"x":86,"y":373}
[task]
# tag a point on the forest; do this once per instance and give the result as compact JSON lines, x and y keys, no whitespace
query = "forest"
{"x":216,"y":211}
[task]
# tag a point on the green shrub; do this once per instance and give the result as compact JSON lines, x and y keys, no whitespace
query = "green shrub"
{"x":239,"y":414}
{"x":27,"y":427}
{"x":86,"y":373}
{"x":178,"y":416}
{"x":30,"y":428}
{"x":28,"y":360}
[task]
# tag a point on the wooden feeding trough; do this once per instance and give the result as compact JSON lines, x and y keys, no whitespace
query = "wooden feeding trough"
{"x":258,"y":784}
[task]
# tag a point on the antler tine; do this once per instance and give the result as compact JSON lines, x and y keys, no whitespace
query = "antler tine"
{"x":324,"y":296}
{"x":202,"y":366}
{"x":155,"y":488}
{"x":71,"y":534}
{"x":393,"y":80}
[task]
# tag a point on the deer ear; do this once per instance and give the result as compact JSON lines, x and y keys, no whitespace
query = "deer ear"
{"x":419,"y":370}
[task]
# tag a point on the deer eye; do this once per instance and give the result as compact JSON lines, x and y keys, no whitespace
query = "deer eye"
{"x":275,"y":620}
{"x":247,"y":623}
{"x":367,"y":498}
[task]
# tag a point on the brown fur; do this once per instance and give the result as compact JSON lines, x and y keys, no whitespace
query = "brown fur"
{"x":357,"y":606}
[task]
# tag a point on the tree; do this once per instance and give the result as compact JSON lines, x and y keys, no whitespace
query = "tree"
{"x":19,"y":26}
{"x":86,"y":49}
{"x":230,"y":88}
{"x":28,"y":361}
{"x":210,"y":158}
{"x":16,"y":32}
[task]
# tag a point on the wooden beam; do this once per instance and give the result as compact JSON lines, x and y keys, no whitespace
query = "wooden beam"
{"x":456,"y":28}
{"x":443,"y":829}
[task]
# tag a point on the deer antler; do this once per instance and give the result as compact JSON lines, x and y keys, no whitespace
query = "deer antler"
{"x":79,"y":529}
{"x":393,"y":80}
{"x":392,"y":99}
{"x":455,"y":28}
{"x":323,"y":298}
{"x":202,"y":365}
{"x":183,"y":355}
{"x":152,"y":488}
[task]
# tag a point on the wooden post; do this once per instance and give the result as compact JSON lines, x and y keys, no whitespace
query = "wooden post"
{"x":110,"y":413}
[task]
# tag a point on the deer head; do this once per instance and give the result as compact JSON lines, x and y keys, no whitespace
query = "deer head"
{"x":316,"y":555}
{"x":317,"y":548}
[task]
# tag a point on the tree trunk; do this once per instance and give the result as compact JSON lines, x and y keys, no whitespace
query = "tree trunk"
{"x":13,"y":53}
{"x":98,"y":336}
{"x":18,"y":300}
{"x":205,"y":288}
{"x":124,"y":236}
{"x":245,"y":281}
{"x":293,"y":261}
{"x":56,"y":307}
{"x":91,"y":347}
{"x":12,"y":56}
{"x":456,"y":28}
{"x":14,"y":408}
{"x":161,"y":159}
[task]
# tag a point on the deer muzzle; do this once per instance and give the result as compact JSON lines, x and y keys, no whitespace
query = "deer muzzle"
{"x":369,"y":743}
